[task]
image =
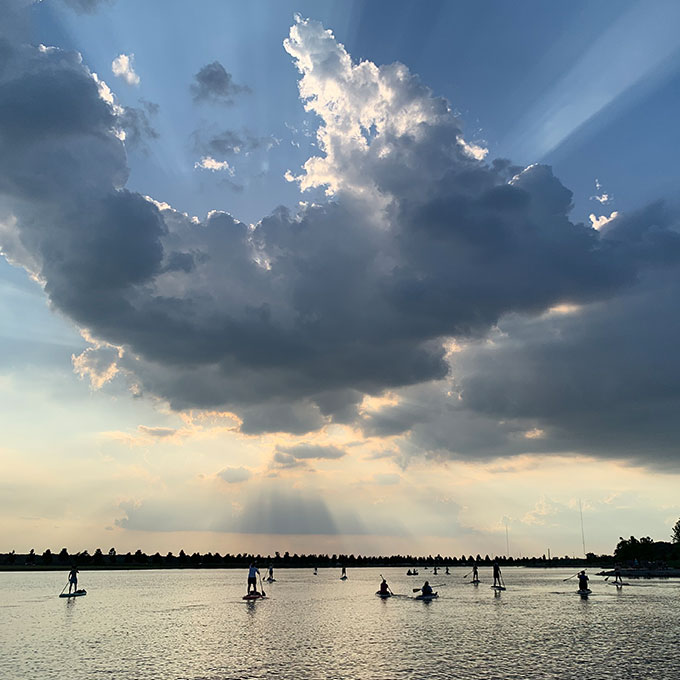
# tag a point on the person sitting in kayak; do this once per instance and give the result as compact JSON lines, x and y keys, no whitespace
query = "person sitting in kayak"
{"x":475,"y":572}
{"x":582,"y":581}
{"x":384,"y":588}
{"x":73,"y":579}
{"x":426,"y":589}
{"x":408,"y":573}
{"x":496,"y":574}
{"x":253,"y":571}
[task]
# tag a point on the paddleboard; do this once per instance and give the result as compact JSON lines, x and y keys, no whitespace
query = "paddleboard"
{"x":498,"y":588}
{"x":427,"y":598}
{"x":384,"y":596}
{"x":618,"y":585}
{"x":343,"y":578}
{"x":76,"y":593}
{"x":254,"y":596}
{"x":475,"y":583}
{"x":584,"y":593}
{"x":270,"y":580}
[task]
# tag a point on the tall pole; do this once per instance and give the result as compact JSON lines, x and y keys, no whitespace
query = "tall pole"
{"x":583,"y":536}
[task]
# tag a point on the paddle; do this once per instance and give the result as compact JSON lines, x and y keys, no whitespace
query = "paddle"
{"x":571,"y":577}
{"x":64,"y":588}
{"x":436,"y":585}
{"x":466,"y":575}
{"x":261,"y":586}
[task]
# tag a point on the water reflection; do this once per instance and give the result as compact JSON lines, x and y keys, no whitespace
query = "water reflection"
{"x":171,"y":625}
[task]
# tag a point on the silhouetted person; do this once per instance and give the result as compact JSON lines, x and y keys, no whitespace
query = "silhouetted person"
{"x":582,"y":581}
{"x":344,"y":573}
{"x":384,"y":588}
{"x":617,"y":576}
{"x":435,"y":571}
{"x":316,"y":571}
{"x":73,"y":579}
{"x":496,"y":574}
{"x":447,"y":571}
{"x":426,"y":589}
{"x":271,"y":573}
{"x":253,"y":571}
{"x":475,"y":572}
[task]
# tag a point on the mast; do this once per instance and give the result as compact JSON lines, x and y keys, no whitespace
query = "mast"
{"x":583,"y":536}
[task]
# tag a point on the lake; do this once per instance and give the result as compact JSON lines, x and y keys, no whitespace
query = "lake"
{"x":193,"y":624}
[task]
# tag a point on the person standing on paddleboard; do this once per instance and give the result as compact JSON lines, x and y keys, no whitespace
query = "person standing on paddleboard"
{"x":73,"y":579}
{"x":271,"y":573}
{"x":253,"y":571}
{"x":617,"y":576}
{"x":475,"y":572}
{"x":582,"y":581}
{"x":496,"y":574}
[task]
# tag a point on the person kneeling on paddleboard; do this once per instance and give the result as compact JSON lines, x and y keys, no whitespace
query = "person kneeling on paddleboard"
{"x":73,"y":579}
{"x":582,"y":581}
{"x":253,"y":571}
{"x":426,"y":589}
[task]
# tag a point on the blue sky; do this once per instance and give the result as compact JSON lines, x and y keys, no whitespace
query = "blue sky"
{"x":420,"y":308}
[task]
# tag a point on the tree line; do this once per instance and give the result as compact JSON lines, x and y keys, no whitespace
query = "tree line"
{"x":114,"y":559}
{"x":628,"y":551}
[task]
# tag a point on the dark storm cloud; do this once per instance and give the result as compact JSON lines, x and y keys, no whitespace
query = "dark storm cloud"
{"x":214,"y":83}
{"x":290,"y":322}
{"x":137,"y":124}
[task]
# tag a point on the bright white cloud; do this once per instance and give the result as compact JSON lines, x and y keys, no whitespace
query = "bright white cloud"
{"x":122,"y":67}
{"x":209,"y":163}
{"x":599,"y":222}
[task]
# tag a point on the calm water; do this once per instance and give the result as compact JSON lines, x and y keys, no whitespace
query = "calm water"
{"x":194,"y":625}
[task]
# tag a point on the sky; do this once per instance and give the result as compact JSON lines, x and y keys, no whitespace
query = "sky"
{"x":346,"y":277}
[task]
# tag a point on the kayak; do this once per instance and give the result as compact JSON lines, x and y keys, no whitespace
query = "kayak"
{"x":383,"y":595}
{"x":584,"y":593}
{"x":427,"y":598}
{"x":497,"y":587}
{"x":254,"y":596}
{"x":76,"y":593}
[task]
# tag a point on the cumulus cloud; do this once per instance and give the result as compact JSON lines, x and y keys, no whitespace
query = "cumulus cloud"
{"x":122,"y":67}
{"x":229,"y":142}
{"x":235,"y":475}
{"x":209,"y":163}
{"x":213,"y":83}
{"x":290,"y":322}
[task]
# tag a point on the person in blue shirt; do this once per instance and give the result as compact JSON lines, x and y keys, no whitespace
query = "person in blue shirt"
{"x":253,"y":571}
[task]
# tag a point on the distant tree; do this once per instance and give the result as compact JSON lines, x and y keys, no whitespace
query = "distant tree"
{"x":11,"y":557}
{"x":112,"y":555}
{"x":675,"y":534}
{"x":47,"y":557}
{"x":63,"y":555}
{"x":98,"y":557}
{"x":156,"y":559}
{"x":30,"y":558}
